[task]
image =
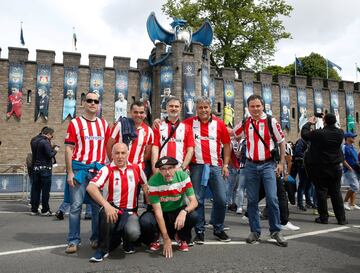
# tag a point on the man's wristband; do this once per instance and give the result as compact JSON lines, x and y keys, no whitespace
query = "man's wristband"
{"x":226,"y":165}
{"x":184,"y":209}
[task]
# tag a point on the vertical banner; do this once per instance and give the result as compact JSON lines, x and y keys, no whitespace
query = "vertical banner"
{"x":285,"y":107}
{"x":229,"y":101}
{"x":189,"y":88}
{"x":145,"y":92}
{"x":70,"y":88}
{"x":318,"y":107}
{"x":15,"y":84}
{"x":43,"y":83}
{"x":205,"y":80}
{"x":350,"y":120}
{"x":212,"y":94}
{"x":334,"y":105}
{"x":248,"y":91}
{"x":166,"y":83}
{"x":121,"y":93}
{"x":97,"y":86}
{"x":267,"y":96}
{"x":302,"y":106}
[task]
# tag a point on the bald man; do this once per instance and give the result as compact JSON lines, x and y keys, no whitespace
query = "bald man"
{"x":118,"y":220}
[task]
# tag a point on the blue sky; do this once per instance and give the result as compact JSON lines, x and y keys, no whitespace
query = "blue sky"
{"x":117,"y":28}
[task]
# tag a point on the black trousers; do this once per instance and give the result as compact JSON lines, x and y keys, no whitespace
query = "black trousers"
{"x":327,"y":181}
{"x":41,"y":184}
{"x":150,"y":231}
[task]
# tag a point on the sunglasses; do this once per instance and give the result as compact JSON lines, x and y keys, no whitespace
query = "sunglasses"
{"x":92,"y":101}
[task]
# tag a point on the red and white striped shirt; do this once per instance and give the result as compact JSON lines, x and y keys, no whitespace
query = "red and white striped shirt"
{"x":89,"y":139}
{"x":119,"y":186}
{"x":255,"y":149}
{"x":181,"y":139}
{"x":145,"y":136}
{"x":208,"y":139}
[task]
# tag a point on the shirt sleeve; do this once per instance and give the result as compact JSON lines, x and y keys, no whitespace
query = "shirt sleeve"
{"x":278,"y":133}
{"x":101,"y":178}
{"x":157,"y":137}
{"x":150,"y":140}
{"x":70,"y":137}
{"x":238,"y":129}
{"x":225,"y":137}
{"x":116,"y":132}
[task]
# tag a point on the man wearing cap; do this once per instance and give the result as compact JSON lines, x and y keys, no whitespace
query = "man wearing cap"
{"x":171,"y":215}
{"x":351,"y":171}
{"x":322,"y":162}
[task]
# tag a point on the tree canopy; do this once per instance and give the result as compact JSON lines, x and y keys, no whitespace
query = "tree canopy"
{"x":245,"y":32}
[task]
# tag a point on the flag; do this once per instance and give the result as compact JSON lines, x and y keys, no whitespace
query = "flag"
{"x":22,"y":41}
{"x":331,"y":65}
{"x":298,"y":62}
{"x":74,"y":39}
{"x":358,"y":69}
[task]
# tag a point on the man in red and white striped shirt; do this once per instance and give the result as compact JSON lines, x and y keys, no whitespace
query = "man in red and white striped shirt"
{"x":140,"y":147}
{"x":260,"y":167}
{"x":118,"y":219}
{"x":207,"y":167}
{"x":85,"y":153}
{"x":181,"y":142}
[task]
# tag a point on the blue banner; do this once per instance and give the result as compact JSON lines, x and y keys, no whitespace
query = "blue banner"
{"x":166,"y":85}
{"x":43,"y":83}
{"x":70,"y":88}
{"x":229,"y":101}
{"x":189,"y":88}
{"x":205,"y":80}
{"x":285,"y":107}
{"x":97,"y":86}
{"x":302,"y":106}
{"x":212,"y":94}
{"x":121,"y":93}
{"x":350,"y":120}
{"x":267,"y":96}
{"x":248,"y":91}
{"x":15,"y":85}
{"x":318,"y":107}
{"x":334,"y":105}
{"x":146,"y":92}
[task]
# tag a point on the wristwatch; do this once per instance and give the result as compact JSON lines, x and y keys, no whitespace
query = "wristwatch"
{"x":187,"y":212}
{"x":226,"y":165}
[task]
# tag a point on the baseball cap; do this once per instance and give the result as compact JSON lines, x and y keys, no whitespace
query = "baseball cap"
{"x":166,"y":160}
{"x":349,"y":134}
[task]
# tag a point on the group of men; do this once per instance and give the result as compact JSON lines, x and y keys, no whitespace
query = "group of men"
{"x":187,"y":157}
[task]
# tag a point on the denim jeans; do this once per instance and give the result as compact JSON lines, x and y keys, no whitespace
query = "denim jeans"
{"x":217,"y":186}
{"x":239,"y":199}
{"x":256,"y":174}
{"x":232,"y":185}
{"x":77,"y":195}
{"x":41,"y":184}
{"x":64,"y":207}
{"x":351,"y":179}
{"x":305,"y":186}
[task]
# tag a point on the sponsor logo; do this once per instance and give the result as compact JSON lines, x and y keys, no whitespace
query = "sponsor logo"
{"x":94,"y":138}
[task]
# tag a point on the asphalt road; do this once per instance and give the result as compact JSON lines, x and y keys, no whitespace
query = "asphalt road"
{"x":37,"y":244}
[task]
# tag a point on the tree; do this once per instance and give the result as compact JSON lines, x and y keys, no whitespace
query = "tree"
{"x":245,"y":32}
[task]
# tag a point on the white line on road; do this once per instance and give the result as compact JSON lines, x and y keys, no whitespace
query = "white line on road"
{"x":290,"y":237}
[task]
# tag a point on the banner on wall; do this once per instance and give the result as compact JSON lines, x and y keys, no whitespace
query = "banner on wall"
{"x":146,"y":92}
{"x":97,"y":86}
{"x":267,"y":96}
{"x":318,"y":108}
{"x":285,"y":107}
{"x":43,"y":83}
{"x":248,"y":91}
{"x":302,"y":106}
{"x":350,"y":118}
{"x":15,"y":85}
{"x":212,"y":94}
{"x":70,"y":88}
{"x":189,"y":88}
{"x":205,"y":80}
{"x":334,"y":106}
{"x":121,"y":93}
{"x":229,"y":101}
{"x":166,"y":86}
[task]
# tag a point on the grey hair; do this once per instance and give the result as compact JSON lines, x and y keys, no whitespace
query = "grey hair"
{"x":202,"y":99}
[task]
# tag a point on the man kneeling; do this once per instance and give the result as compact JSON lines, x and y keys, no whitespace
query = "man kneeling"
{"x":171,"y":215}
{"x":118,"y":219}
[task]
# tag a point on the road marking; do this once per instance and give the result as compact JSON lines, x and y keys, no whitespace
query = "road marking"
{"x":290,"y":237}
{"x":356,"y":226}
{"x":14,"y":212}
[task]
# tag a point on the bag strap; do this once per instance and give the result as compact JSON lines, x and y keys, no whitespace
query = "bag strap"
{"x":257,"y":132}
{"x":173,"y":129}
{"x":271,"y":131}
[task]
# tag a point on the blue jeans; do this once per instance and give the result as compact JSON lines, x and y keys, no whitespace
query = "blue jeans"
{"x":232,"y":185}
{"x":64,"y":207}
{"x":239,"y":199}
{"x":305,"y":186}
{"x":217,"y":186}
{"x":77,"y":195}
{"x":256,"y":174}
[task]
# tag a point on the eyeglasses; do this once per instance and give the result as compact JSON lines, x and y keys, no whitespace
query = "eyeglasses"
{"x":92,"y":101}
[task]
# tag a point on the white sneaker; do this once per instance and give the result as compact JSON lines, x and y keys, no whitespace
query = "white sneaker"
{"x":290,"y":226}
{"x":355,"y":207}
{"x":239,"y":211}
{"x":245,"y":220}
{"x":346,"y":206}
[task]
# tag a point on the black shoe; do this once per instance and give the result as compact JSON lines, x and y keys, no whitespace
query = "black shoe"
{"x":87,"y":217}
{"x":343,"y":222}
{"x":253,"y":238}
{"x":280,"y":240}
{"x":222,"y":236}
{"x":321,"y":221}
{"x":301,"y":207}
{"x":128,"y":248}
{"x":232,"y":207}
{"x":199,"y":239}
{"x":59,"y":215}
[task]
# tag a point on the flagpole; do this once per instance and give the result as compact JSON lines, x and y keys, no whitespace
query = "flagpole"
{"x":356,"y":72}
{"x":327,"y":69}
{"x":295,"y":64}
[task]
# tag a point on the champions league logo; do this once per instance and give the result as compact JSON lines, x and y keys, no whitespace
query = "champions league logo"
{"x":189,"y":71}
{"x":4,"y":184}
{"x":122,"y":84}
{"x":166,"y":77}
{"x":59,"y":183}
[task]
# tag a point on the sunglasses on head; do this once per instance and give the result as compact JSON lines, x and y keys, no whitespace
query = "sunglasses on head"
{"x":92,"y":101}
